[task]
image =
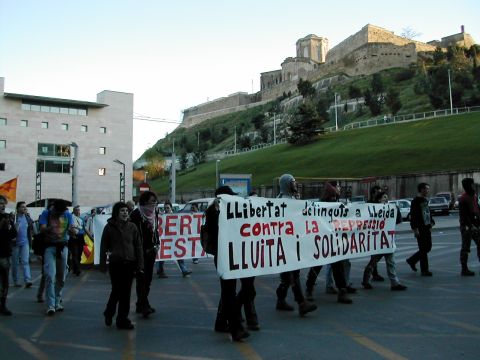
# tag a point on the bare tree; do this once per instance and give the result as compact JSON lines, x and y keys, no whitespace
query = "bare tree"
{"x":409,"y":33}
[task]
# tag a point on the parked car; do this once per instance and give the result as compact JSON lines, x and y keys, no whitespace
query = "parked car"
{"x":439,"y":205}
{"x":202,"y":205}
{"x":404,"y":207}
{"x":175,"y":207}
{"x":455,"y":206}
{"x":449,"y":196}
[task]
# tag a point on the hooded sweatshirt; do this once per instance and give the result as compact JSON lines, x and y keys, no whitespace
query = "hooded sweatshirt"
{"x":285,"y":189}
{"x":329,"y":193}
{"x":468,"y":206}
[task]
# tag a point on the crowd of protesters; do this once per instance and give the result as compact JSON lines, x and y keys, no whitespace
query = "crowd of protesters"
{"x":130,"y":243}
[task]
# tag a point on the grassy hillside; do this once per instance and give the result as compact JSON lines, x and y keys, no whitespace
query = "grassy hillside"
{"x":448,"y":143}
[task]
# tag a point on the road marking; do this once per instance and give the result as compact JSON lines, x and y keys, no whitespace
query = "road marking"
{"x":459,"y":324}
{"x":174,"y":357}
{"x":24,"y":344}
{"x":77,"y":346}
{"x":369,"y":344}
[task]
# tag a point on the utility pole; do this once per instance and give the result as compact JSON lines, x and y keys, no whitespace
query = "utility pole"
{"x":336,"y":115}
{"x":173,"y":174}
{"x":74,"y":173}
{"x":235,"y":145}
{"x":450,"y":90}
{"x":274,"y":131}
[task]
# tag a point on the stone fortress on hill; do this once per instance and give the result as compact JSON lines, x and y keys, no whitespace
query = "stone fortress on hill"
{"x":368,"y":51}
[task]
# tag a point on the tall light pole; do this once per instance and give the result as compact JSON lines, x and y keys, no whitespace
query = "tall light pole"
{"x":274,"y":131}
{"x":336,"y":115}
{"x":74,"y":173}
{"x":122,"y":180}
{"x":173,"y":175}
{"x":450,"y":90}
{"x":217,"y":180}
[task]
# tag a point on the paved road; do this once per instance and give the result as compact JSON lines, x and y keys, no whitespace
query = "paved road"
{"x":436,"y":318}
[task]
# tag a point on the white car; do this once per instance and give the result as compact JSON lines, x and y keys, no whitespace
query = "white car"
{"x":202,"y":204}
{"x":404,"y":206}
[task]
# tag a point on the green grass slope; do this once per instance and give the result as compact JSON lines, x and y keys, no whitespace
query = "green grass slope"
{"x":448,"y":143}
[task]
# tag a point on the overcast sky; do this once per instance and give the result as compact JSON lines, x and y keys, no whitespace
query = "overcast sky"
{"x":176,"y":54}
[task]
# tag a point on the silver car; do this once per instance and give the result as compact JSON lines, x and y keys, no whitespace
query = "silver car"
{"x":439,"y":205}
{"x":404,"y":207}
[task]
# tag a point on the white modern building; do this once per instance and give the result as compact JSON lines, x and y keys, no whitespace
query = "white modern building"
{"x":52,"y":143}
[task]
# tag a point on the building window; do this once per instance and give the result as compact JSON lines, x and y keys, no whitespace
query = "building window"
{"x":53,"y":166}
{"x":55,"y":109}
{"x":103,"y":130}
{"x":65,"y":127}
{"x":3,"y":144}
{"x":2,"y":166}
{"x":101,"y":171}
{"x":55,"y":150}
{"x":84,"y":128}
{"x":3,"y":121}
{"x":44,"y":125}
{"x":24,"y":123}
{"x":102,"y":150}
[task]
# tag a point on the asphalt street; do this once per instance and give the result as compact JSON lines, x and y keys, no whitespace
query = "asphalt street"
{"x":435,"y":318}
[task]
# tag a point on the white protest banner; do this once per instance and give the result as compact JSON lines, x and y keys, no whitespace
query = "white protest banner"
{"x":99,"y":222}
{"x":259,"y":236}
{"x":180,"y":236}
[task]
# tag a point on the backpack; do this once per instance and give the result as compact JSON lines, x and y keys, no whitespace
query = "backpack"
{"x":209,"y":230}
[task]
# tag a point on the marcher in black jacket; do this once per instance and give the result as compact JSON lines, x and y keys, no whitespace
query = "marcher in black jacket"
{"x":7,"y":234}
{"x":145,"y":217}
{"x":121,"y":241}
{"x":421,"y":222}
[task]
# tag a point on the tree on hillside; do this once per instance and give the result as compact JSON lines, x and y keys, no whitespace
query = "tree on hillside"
{"x":183,"y":160}
{"x":304,"y":124}
{"x":439,"y":56}
{"x":392,"y":100}
{"x":409,"y":33}
{"x":306,"y":89}
{"x":377,"y":84}
{"x":374,"y":102}
{"x":258,"y":120}
{"x":354,"y":92}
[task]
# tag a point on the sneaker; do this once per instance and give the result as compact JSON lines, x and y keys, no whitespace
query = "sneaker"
{"x":331,"y":290}
{"x":309,"y":295}
{"x":343,"y":297}
{"x":4,"y":311}
{"x":28,"y":284}
{"x":351,"y":289}
{"x":125,"y":325}
{"x":367,"y":286}
{"x":50,"y":311}
{"x":427,"y":273}
{"x":282,"y":305}
{"x":195,"y":261}
{"x":108,"y":320}
{"x":378,"y":277}
{"x":162,"y":275}
{"x":59,"y":308}
{"x":306,"y":307}
{"x":398,"y":287}
{"x":467,"y":272}
{"x":222,"y":327}
{"x":239,"y":335}
{"x":186,"y":273}
{"x":411,"y":264}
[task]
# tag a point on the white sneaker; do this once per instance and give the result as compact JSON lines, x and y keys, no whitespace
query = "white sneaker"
{"x":59,"y":307}
{"x":50,"y":311}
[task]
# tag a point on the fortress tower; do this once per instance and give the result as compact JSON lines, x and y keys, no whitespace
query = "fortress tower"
{"x":312,"y":47}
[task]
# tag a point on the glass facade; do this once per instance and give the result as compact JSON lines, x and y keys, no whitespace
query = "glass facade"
{"x":81,"y":111}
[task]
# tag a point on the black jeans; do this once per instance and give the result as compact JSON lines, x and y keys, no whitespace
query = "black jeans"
{"x":144,"y":280}
{"x":75,"y":247}
{"x":4,"y":271}
{"x":467,"y":237}
{"x":287,"y":279}
{"x":424,"y":241}
{"x":337,"y":271}
{"x":121,"y":276}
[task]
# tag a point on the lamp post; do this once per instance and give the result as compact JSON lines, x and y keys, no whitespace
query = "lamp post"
{"x":74,"y":174}
{"x":274,"y":131}
{"x":122,"y":180}
{"x":336,"y":115}
{"x":216,"y":174}
{"x":145,"y":178}
{"x":450,"y":91}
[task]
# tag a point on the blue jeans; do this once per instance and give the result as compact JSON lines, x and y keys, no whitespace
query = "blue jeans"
{"x":181,"y":265}
{"x":55,"y":270}
{"x":21,"y":256}
{"x":329,"y":277}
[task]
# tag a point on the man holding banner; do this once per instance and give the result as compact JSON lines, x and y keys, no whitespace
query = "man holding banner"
{"x":288,"y":189}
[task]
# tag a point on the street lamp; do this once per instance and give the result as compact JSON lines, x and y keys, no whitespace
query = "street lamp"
{"x":450,"y":91}
{"x":336,"y":115}
{"x":145,"y":179}
{"x":122,"y":180}
{"x":216,"y":174}
{"x":74,"y":174}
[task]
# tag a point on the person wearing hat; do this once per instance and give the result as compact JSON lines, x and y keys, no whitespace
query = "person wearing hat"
{"x":229,"y":307}
{"x":288,"y":189}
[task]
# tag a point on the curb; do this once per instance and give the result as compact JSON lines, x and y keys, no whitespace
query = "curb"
{"x":434,"y":229}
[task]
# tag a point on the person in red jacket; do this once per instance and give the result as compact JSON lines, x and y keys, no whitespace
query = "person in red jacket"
{"x":469,"y":223}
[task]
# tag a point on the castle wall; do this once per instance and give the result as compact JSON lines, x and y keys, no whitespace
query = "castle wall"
{"x":461,"y":39}
{"x":294,"y":69}
{"x":270,"y":79}
{"x":237,"y":99}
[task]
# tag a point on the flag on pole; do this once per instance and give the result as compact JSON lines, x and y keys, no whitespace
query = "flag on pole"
{"x":9,"y":189}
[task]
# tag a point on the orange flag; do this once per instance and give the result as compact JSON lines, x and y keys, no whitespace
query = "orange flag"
{"x":9,"y":189}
